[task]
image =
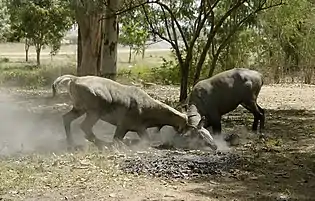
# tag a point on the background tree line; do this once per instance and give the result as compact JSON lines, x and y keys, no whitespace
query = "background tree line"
{"x":207,"y":36}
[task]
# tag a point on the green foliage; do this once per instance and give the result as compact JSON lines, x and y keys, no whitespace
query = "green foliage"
{"x":167,"y":74}
{"x":288,"y":39}
{"x":42,"y":22}
{"x":205,"y":32}
{"x":31,"y":76}
{"x":133,"y":32}
{"x":239,"y":51}
{"x":4,"y":21}
{"x":4,"y":60}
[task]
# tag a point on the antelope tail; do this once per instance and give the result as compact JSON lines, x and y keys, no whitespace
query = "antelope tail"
{"x":60,"y":80}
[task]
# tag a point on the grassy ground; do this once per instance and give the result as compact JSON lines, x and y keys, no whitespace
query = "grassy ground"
{"x":282,"y":167}
{"x":15,"y":53}
{"x":279,"y":168}
{"x":15,"y":71}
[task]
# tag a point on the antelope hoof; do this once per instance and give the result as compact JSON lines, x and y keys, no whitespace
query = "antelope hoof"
{"x":119,"y":145}
{"x":262,"y":136}
{"x":100,"y":144}
{"x":73,"y":148}
{"x":232,"y":139}
{"x":70,"y":148}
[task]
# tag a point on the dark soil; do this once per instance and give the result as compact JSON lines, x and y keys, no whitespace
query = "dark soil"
{"x":279,"y":167}
{"x":180,"y":164}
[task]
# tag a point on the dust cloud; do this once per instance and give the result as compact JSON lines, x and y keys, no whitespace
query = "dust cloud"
{"x":221,"y":143}
{"x":22,"y":131}
{"x":167,"y":135}
{"x":27,"y":127}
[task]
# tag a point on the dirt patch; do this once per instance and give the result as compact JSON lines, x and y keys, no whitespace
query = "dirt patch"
{"x":180,"y":164}
{"x":279,"y":167}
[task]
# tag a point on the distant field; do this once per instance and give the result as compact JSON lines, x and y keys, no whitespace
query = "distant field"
{"x":15,"y":53}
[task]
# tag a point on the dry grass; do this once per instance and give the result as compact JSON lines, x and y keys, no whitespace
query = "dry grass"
{"x":15,"y":53}
{"x":61,"y":177}
{"x":281,"y":167}
{"x":15,"y":71}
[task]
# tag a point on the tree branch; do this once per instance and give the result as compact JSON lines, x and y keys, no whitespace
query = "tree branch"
{"x":174,"y":34}
{"x":174,"y":46}
{"x":201,"y":25}
{"x":234,"y":30}
{"x":166,"y":25}
{"x":119,"y":12}
{"x":211,"y":35}
{"x":162,"y":5}
{"x":272,"y":6}
{"x":199,"y":28}
{"x":197,"y":22}
{"x":153,"y":42}
{"x":173,"y":19}
{"x":153,"y":30}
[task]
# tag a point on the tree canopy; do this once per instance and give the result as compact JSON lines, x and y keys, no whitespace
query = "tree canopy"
{"x":134,"y":32}
{"x":197,"y":30}
{"x":206,"y":36}
{"x":4,"y":21}
{"x":42,"y":22}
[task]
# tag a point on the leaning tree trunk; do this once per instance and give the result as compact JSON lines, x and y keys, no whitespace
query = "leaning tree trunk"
{"x":143,"y":51}
{"x":101,"y":49}
{"x":130,"y":51}
{"x":26,"y":47}
{"x":184,"y":82}
{"x":79,"y":51}
{"x":38,"y":48}
{"x":90,"y":36}
{"x":109,"y":68}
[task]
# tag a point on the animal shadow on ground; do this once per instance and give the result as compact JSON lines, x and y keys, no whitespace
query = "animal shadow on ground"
{"x":281,"y":167}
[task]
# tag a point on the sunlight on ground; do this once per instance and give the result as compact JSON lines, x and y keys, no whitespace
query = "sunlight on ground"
{"x":15,"y":53}
{"x":282,"y":166}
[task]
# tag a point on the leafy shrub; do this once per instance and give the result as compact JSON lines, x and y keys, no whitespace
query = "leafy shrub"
{"x":4,"y":60}
{"x":168,"y":73}
{"x":31,"y":76}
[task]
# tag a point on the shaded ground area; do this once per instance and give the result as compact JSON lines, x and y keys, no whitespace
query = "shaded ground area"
{"x":279,"y":167}
{"x":180,"y":164}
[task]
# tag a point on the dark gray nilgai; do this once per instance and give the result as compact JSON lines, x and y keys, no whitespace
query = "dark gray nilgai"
{"x":222,"y":93}
{"x":127,"y":107}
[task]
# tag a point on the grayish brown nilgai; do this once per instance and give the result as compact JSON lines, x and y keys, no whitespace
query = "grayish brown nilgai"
{"x":127,"y":107}
{"x":222,"y":93}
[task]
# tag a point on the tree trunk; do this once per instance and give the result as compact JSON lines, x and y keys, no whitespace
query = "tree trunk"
{"x":212,"y":67}
{"x":90,"y":37}
{"x":213,"y":64}
{"x":38,"y":50}
{"x":130,"y":50}
{"x":79,"y":51}
{"x":276,"y":75}
{"x":27,"y":47}
{"x":143,"y":51}
{"x":26,"y":55}
{"x":101,"y":50}
{"x":202,"y":58}
{"x":109,"y":69}
{"x":184,"y":82}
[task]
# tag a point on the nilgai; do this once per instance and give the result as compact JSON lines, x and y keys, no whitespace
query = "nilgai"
{"x":222,"y":93}
{"x":127,"y":107}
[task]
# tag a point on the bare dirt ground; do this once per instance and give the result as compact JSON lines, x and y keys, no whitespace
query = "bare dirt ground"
{"x":34,"y":164}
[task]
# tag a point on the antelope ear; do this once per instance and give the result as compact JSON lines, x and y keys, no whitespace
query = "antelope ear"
{"x":182,"y":107}
{"x":157,"y":129}
{"x":202,"y":122}
{"x":185,"y":107}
